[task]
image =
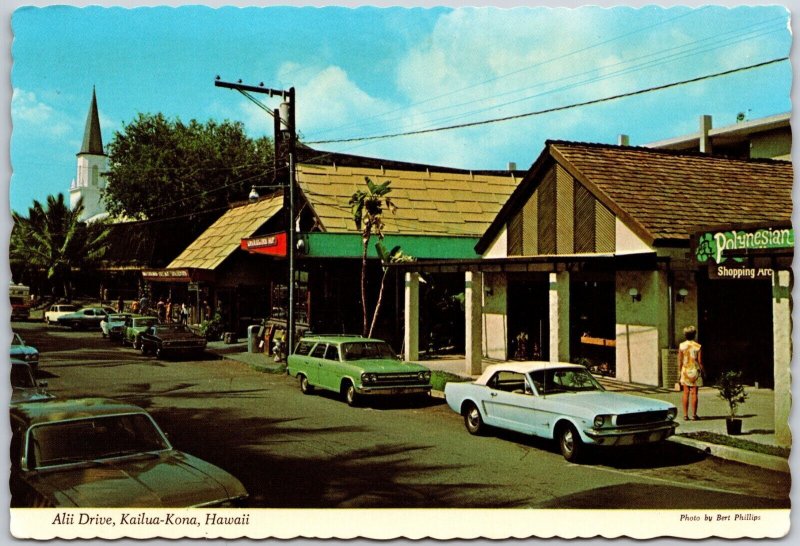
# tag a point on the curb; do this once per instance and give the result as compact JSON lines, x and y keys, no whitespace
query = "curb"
{"x":752,"y":458}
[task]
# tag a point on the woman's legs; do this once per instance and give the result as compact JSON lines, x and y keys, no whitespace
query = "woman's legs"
{"x":694,"y":401}
{"x":685,"y":401}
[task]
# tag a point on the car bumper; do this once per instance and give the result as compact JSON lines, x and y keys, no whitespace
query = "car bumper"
{"x":631,"y":436}
{"x":393,"y":390}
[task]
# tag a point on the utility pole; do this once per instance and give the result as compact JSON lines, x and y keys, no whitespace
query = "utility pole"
{"x":284,"y":131}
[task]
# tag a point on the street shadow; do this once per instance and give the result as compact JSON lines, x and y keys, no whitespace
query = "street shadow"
{"x":627,"y":496}
{"x":322,"y":474}
{"x":647,"y":456}
{"x":384,"y":402}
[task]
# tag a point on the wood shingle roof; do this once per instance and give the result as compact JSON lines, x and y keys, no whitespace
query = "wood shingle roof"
{"x":224,"y":236}
{"x":672,"y":194}
{"x":428,"y":202}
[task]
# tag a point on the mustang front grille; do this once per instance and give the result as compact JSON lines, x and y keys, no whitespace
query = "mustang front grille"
{"x":641,"y":418}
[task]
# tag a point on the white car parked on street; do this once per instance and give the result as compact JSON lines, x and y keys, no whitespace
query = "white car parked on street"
{"x":559,"y":401}
{"x":57,"y":310}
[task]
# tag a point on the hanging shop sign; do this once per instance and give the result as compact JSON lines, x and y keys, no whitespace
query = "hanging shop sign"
{"x":176,"y":275}
{"x":728,"y":253}
{"x":271,"y":245}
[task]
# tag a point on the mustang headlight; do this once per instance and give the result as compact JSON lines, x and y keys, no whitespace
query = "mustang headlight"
{"x":601,"y":420}
{"x":672,"y":413}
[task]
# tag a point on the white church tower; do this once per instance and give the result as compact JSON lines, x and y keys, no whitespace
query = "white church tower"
{"x":92,"y":164}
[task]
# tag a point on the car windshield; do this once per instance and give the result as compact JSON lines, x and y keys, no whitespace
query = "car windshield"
{"x":367,"y":349}
{"x":93,"y":439}
{"x":21,"y":377}
{"x":564,"y":380}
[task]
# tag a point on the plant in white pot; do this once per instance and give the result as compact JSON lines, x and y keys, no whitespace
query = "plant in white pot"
{"x":731,"y":390}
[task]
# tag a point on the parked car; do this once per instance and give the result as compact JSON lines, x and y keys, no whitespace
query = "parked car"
{"x":95,"y":452}
{"x":85,"y":318}
{"x":113,"y":325}
{"x":57,"y":310}
{"x":24,"y":386}
{"x":21,"y":351}
{"x":171,"y":339}
{"x":559,"y":401}
{"x":134,"y":326}
{"x":355,"y":367}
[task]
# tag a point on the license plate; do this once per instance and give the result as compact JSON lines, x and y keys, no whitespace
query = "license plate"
{"x":641,"y":438}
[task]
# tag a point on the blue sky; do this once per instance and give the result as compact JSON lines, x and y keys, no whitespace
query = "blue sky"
{"x":374,"y":71}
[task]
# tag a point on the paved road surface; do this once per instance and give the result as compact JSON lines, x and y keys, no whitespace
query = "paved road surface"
{"x":292,"y":450}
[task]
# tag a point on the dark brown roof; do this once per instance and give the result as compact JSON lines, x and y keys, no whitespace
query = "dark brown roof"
{"x":666,"y":195}
{"x":671,"y":194}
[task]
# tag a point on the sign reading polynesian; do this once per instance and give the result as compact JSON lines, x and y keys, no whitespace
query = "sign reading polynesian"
{"x":271,"y":245}
{"x":712,"y":246}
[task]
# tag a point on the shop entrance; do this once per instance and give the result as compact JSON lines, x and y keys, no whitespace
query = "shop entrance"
{"x":528,"y":320}
{"x":735,"y":329}
{"x":593,"y":324}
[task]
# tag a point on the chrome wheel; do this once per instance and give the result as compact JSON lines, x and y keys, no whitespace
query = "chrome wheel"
{"x":473,"y":420}
{"x":350,"y":395}
{"x":305,"y":386}
{"x":570,"y":444}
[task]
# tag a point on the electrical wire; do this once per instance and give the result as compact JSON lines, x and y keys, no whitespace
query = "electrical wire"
{"x":554,"y":109}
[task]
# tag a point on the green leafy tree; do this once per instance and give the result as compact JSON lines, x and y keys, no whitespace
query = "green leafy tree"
{"x":367,"y":207}
{"x":161,"y":168}
{"x":51,"y":238}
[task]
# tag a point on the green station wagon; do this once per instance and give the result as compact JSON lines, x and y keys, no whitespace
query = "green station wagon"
{"x":355,"y":366}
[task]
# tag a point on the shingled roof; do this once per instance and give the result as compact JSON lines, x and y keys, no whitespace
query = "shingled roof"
{"x":224,"y":236}
{"x":446,"y":203}
{"x":671,"y":194}
{"x":666,"y":195}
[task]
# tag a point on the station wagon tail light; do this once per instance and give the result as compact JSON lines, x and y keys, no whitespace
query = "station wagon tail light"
{"x":672,"y":414}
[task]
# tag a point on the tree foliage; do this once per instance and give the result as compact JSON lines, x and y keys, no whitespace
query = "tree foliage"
{"x":161,"y":168}
{"x":52,"y":239}
{"x":366,"y":206}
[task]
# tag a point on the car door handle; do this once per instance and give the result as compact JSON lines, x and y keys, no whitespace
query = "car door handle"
{"x":494,"y":394}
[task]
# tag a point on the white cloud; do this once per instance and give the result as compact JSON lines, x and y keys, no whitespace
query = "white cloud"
{"x":27,"y":109}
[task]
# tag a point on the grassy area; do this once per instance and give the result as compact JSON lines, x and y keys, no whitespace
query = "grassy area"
{"x":740,"y":443}
{"x":439,"y":379}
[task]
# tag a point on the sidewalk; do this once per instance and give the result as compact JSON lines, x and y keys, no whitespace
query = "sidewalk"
{"x":757,"y":413}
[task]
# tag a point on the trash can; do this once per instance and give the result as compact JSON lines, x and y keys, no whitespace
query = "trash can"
{"x":252,"y":338}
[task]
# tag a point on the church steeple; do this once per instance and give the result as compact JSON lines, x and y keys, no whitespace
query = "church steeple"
{"x":92,"y":139}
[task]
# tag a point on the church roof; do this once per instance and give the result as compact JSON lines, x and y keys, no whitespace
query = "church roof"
{"x":92,"y":139}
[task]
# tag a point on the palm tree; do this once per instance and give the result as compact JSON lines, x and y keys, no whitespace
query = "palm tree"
{"x":394,"y":256}
{"x":53,"y":239}
{"x":367,"y":208}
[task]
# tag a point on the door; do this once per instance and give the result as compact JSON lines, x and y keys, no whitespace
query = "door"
{"x":735,"y":329}
{"x":528,"y":320}
{"x":510,"y":403}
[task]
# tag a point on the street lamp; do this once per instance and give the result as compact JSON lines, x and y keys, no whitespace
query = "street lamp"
{"x":284,"y":130}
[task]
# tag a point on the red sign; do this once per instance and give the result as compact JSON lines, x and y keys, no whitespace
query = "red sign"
{"x":271,"y":245}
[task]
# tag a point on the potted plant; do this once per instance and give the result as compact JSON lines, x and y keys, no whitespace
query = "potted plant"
{"x":731,"y":390}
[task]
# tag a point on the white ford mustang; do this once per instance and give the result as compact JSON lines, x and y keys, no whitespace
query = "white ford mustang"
{"x":559,"y":401}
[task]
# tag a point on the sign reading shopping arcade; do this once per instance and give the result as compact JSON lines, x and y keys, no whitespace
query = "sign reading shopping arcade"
{"x":722,"y":250}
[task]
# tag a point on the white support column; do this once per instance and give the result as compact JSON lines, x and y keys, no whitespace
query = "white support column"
{"x":559,"y":317}
{"x":782,"y":351}
{"x":473,"y":311}
{"x":411,"y":330}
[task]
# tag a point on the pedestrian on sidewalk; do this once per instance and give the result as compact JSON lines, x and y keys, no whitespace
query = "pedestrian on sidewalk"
{"x":690,"y":370}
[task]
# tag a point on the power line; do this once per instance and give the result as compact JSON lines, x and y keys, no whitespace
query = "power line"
{"x":555,"y":109}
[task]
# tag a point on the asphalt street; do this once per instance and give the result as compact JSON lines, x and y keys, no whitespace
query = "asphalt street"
{"x":295,"y":450}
